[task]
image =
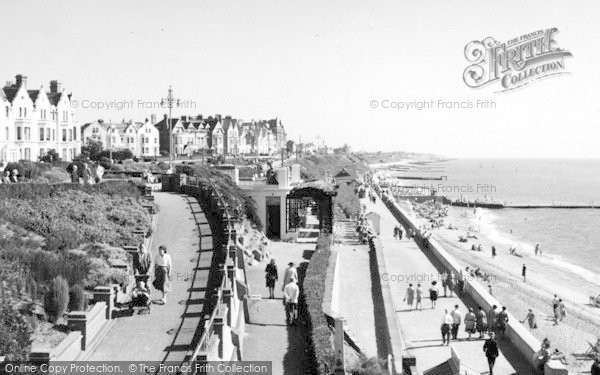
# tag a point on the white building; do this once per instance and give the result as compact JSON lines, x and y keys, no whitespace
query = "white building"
{"x":32,"y":122}
{"x":139,"y":137}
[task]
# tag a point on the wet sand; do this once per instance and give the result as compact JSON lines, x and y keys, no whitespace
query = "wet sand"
{"x":544,"y":279}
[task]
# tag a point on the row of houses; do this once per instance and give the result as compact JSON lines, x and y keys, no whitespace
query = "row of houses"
{"x":189,"y":134}
{"x":34,"y":121}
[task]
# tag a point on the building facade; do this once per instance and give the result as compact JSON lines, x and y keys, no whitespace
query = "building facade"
{"x":142,"y":138}
{"x":32,"y":122}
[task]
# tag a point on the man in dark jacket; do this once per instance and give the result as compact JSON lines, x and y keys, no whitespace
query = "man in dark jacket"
{"x":490,"y":348}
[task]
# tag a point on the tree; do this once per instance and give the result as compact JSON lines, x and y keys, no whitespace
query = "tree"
{"x":51,"y":156}
{"x":92,"y":150}
{"x":15,"y":333}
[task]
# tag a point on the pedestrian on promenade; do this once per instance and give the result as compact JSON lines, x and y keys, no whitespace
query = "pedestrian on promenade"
{"x":400,"y":233}
{"x":288,"y":274}
{"x":445,"y":283}
{"x":74,"y":174}
{"x":456,"y":319}
{"x":162,"y":272}
{"x":419,"y":293}
{"x":271,"y":277}
{"x":470,"y":322}
{"x":396,"y":232}
{"x":524,"y":273}
{"x":451,"y":283}
{"x":491,"y":318}
{"x":142,"y":264}
{"x":409,"y":296}
{"x":446,"y":324}
{"x":490,"y":348}
{"x":433,"y":293}
{"x":501,"y":321}
{"x":290,"y":297}
{"x":481,"y":322}
{"x":530,"y":318}
{"x":460,"y":287}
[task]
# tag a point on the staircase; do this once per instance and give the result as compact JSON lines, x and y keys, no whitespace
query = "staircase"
{"x":345,"y":231}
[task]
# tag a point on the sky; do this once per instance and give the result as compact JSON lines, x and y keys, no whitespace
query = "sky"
{"x":319,"y":67}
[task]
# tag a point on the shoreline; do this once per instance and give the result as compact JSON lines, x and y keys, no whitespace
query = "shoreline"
{"x":544,"y":279}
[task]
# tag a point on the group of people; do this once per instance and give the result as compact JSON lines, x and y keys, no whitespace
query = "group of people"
{"x":364,"y":230}
{"x":290,"y":289}
{"x":87,"y":176}
{"x":143,"y":268}
{"x":433,"y":211}
{"x":9,"y":177}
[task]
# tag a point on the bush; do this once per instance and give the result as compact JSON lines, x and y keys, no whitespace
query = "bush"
{"x":57,"y":299}
{"x":77,"y":299}
{"x":15,"y":333}
{"x":313,"y":292}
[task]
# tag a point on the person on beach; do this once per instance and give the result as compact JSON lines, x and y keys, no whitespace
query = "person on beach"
{"x":501,"y":320}
{"x":288,"y":274}
{"x":433,"y":293}
{"x":490,"y":291}
{"x":481,"y":322}
{"x":456,"y":319}
{"x":537,"y":249}
{"x":409,"y":296}
{"x":530,"y":318}
{"x":555,"y":302}
{"x":524,"y":273}
{"x":491,"y":318}
{"x":470,"y":322}
{"x":446,"y":324}
{"x":419,"y":293}
{"x":162,"y":273}
{"x":562,"y":309}
{"x":271,"y":277}
{"x":493,"y":251}
{"x":490,"y":348}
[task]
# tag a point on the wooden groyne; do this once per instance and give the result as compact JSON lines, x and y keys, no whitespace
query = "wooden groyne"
{"x":422,"y":178}
{"x":520,"y":205}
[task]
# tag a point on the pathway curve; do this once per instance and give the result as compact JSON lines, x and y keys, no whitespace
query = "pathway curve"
{"x":169,"y":332}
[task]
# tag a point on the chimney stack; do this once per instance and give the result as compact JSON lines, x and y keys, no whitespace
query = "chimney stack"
{"x":21,"y":81}
{"x":153,"y":119}
{"x":55,"y":87}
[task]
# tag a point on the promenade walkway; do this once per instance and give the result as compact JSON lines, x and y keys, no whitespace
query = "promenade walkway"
{"x":170,"y":331}
{"x":421,"y":329}
{"x":268,"y":338}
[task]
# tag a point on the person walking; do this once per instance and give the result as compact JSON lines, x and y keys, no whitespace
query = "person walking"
{"x":142,"y":264}
{"x":162,"y":272}
{"x":446,"y":324}
{"x":524,"y":273}
{"x":289,"y":272}
{"x":530,"y":318}
{"x":419,"y":294}
{"x":400,"y":233}
{"x":491,"y":318}
{"x":396,"y":232}
{"x":501,"y":321}
{"x":562,"y":310}
{"x":490,"y":348}
{"x":445,"y":283}
{"x":290,"y":296}
{"x":456,"y":319}
{"x":481,"y":322}
{"x":409,"y":296}
{"x":470,"y":322}
{"x":271,"y":277}
{"x":433,"y":293}
{"x":74,"y":174}
{"x":451,"y":283}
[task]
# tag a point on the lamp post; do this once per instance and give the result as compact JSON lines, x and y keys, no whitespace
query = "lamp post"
{"x":169,"y":101}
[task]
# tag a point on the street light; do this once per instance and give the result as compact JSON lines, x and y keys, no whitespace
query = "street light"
{"x":169,"y":102}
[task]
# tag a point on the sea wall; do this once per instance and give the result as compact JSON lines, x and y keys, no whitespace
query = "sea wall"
{"x":525,"y":343}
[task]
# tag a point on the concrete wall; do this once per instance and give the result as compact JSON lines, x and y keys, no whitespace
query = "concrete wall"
{"x":520,"y":337}
{"x":68,"y":350}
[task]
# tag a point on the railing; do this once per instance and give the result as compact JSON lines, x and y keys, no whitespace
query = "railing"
{"x":209,"y":330}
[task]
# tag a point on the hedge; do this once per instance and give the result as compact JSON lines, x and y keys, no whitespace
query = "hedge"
{"x":313,"y":292}
{"x":36,"y":191}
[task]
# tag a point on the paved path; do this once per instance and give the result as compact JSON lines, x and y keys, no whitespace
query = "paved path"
{"x":170,"y":331}
{"x":268,"y":338}
{"x":421,"y":329}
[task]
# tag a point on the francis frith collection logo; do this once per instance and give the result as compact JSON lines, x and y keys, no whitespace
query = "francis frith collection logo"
{"x":515,"y":63}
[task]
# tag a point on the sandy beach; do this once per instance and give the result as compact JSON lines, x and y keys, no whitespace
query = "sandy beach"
{"x":544,"y":279}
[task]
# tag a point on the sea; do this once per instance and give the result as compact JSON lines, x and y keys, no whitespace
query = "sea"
{"x":569,"y":238}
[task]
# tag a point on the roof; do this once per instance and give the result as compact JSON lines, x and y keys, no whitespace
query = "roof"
{"x":10,"y":92}
{"x":33,"y":94}
{"x":54,"y":97}
{"x":444,"y":368}
{"x":343,"y":173}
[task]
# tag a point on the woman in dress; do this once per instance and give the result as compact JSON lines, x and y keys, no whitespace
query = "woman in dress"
{"x":409,"y":296}
{"x":433,"y":293}
{"x":481,"y":322}
{"x":419,"y":305}
{"x":162,"y":272}
{"x":271,"y":277}
{"x":470,"y":321}
{"x":530,"y":318}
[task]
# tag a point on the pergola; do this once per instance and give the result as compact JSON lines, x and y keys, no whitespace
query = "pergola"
{"x":319,"y":191}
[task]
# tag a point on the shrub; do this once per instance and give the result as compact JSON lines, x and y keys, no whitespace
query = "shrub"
{"x":51,"y":156}
{"x":57,"y":298}
{"x":15,"y":333}
{"x":313,"y":292}
{"x":77,"y":300}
